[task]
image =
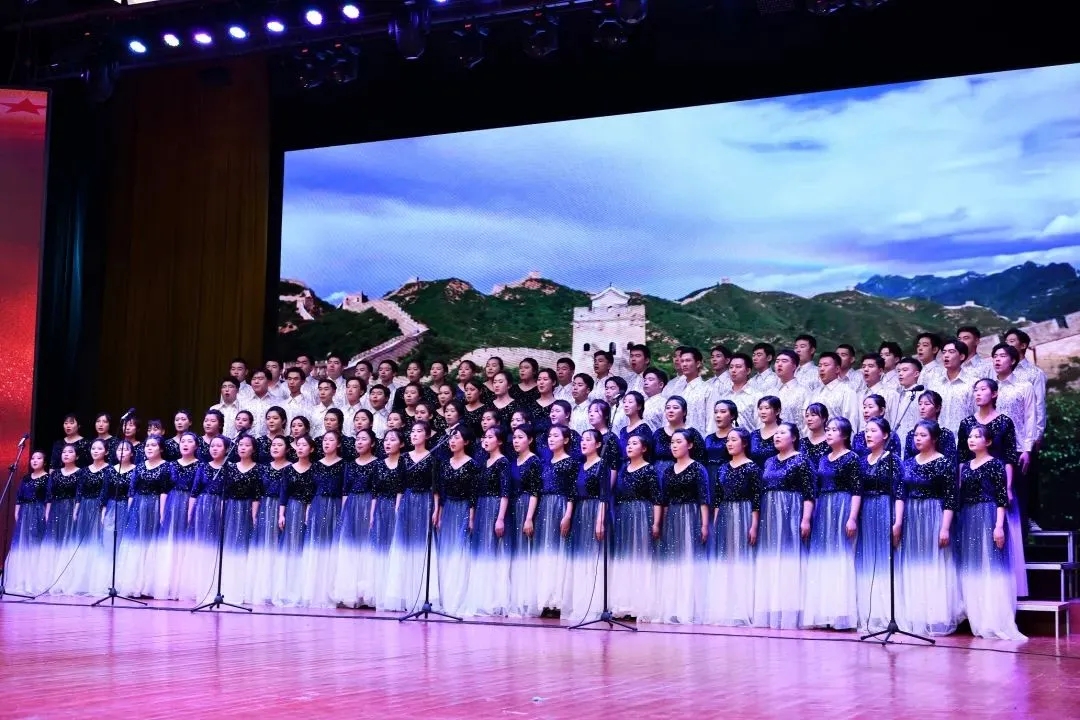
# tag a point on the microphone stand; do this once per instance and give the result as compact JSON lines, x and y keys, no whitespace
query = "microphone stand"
{"x":113,"y":595}
{"x":605,"y":615}
{"x":219,"y":598}
{"x":7,"y":486}
{"x":899,"y":420}
{"x":426,"y":610}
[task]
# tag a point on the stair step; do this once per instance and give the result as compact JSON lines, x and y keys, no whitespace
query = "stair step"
{"x":1055,"y":566}
{"x":1052,"y":533}
{"x":1058,"y":608}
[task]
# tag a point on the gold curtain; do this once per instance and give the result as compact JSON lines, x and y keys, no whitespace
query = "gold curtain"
{"x":186,"y":250}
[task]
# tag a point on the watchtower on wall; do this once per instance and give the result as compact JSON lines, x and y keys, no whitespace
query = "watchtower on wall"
{"x":609,"y":323}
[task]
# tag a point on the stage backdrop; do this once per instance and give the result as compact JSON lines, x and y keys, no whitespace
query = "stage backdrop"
{"x":23,"y":124}
{"x":858,"y":215}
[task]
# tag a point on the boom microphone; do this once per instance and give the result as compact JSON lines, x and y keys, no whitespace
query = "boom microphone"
{"x":22,"y":442}
{"x":917,"y":388}
{"x":131,"y":412}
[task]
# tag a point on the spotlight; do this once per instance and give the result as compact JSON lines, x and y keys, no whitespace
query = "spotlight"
{"x":867,"y":4}
{"x":824,"y":7}
{"x":313,"y":17}
{"x":631,"y":12}
{"x":171,"y":40}
{"x":275,"y":26}
{"x":610,"y":35}
{"x":351,"y":12}
{"x":137,"y":47}
{"x":541,"y":35}
{"x":344,"y":63}
{"x":203,"y":38}
{"x":409,"y":30}
{"x":238,"y":33}
{"x":469,"y":45}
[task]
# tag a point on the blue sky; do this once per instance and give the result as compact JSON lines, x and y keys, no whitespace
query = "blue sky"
{"x":806,"y":194}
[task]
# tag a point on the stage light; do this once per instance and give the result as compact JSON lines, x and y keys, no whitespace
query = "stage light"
{"x":409,"y":30}
{"x":275,"y":26}
{"x":541,"y":35}
{"x":631,"y":12}
{"x":237,"y":33}
{"x":468,"y":45}
{"x":203,"y":38}
{"x":137,"y":46}
{"x":867,"y":4}
{"x":313,"y":17}
{"x":351,"y":12}
{"x":171,"y":40}
{"x":824,"y":7}
{"x":610,"y":34}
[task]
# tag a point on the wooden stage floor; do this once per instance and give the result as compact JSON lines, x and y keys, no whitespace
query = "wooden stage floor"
{"x":70,"y":660}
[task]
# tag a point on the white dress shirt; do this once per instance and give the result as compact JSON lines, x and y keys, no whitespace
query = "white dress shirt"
{"x":745,"y":400}
{"x":654,"y":411}
{"x":902,"y":412}
{"x":842,"y":401}
{"x":766,"y":383}
{"x":675,"y":386}
{"x":297,"y":406}
{"x":793,"y":401}
{"x":1031,"y":372}
{"x":378,"y":421}
{"x":854,"y":378}
{"x":957,"y":397}
{"x":980,"y":367}
{"x":258,"y":406}
{"x":598,"y":392}
{"x":229,"y":410}
{"x":564,"y":392}
{"x":720,"y":383}
{"x":1016,"y":398}
{"x":317,"y":419}
{"x":634,"y":381}
{"x":350,"y":417}
{"x":579,"y":417}
{"x":339,"y":393}
{"x":696,"y":393}
{"x":807,"y":375}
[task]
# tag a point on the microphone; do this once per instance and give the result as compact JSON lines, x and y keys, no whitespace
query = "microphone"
{"x":22,"y":442}
{"x":131,"y":411}
{"x":916,"y":388}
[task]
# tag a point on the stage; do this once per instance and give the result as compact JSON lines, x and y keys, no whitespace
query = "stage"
{"x":66,"y":660}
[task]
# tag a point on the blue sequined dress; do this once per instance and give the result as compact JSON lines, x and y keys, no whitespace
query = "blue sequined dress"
{"x":458,"y":494}
{"x":86,"y":541}
{"x":736,"y":498}
{"x":551,"y":550}
{"x":351,"y":586}
{"x":114,"y":499}
{"x":173,"y":536}
{"x":872,"y":542}
{"x":317,"y":558}
{"x":297,"y":493}
{"x":681,"y":555}
{"x":761,"y":449}
{"x":199,"y":573}
{"x":633,"y":552}
{"x":489,"y":569}
{"x":242,"y":491}
{"x":407,"y":564}
{"x":263,"y":551}
{"x":387,"y":488}
{"x":583,"y":598}
{"x":23,"y":568}
{"x":136,"y":564}
{"x":525,"y":485}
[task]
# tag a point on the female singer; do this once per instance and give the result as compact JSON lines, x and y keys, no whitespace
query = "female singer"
{"x":583,"y":599}
{"x":138,"y":557}
{"x":681,"y":553}
{"x":815,"y":446}
{"x":424,"y":413}
{"x":388,"y":493}
{"x":762,"y":444}
{"x":298,"y":492}
{"x":987,"y":582}
{"x":417,"y":510}
{"x":540,"y":408}
{"x":880,"y":470}
{"x":726,"y":414}
{"x":736,"y":499}
{"x":928,"y":596}
{"x":492,"y":367}
{"x":300,"y":427}
{"x":638,"y":512}
{"x":930,"y":409}
{"x":72,"y":437}
{"x":455,"y":519}
{"x":558,"y":415}
{"x":86,"y":541}
{"x":173,"y":536}
{"x":213,"y":425}
{"x":830,"y":597}
{"x":489,"y":566}
{"x":204,"y":521}
{"x":674,"y":419}
{"x":525,"y":486}
{"x":609,"y":449}
{"x":503,"y":403}
{"x":242,"y":490}
{"x":873,"y":406}
{"x":614,"y":390}
{"x":444,"y":394}
{"x":103,"y":427}
{"x":182,"y":423}
{"x":552,"y":519}
{"x":130,"y":431}
{"x":276,"y":421}
{"x":264,"y":550}
{"x":633,"y":407}
{"x":351,"y":587}
{"x":114,"y":510}
{"x":474,"y":404}
{"x":787,"y":504}
{"x":316,"y":564}
{"x":526,"y":392}
{"x":23,"y":568}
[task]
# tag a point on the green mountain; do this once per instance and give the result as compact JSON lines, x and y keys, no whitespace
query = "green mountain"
{"x":332,"y":329}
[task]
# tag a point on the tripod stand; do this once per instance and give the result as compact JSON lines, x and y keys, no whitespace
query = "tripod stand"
{"x":113,"y":595}
{"x":3,"y":495}
{"x":605,"y":614}
{"x":892,"y":628}
{"x":219,"y":598}
{"x":425,"y":610}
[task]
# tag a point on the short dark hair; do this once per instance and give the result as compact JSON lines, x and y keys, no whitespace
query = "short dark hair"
{"x":604,"y":354}
{"x":960,"y":345}
{"x":808,"y":338}
{"x":566,"y":361}
{"x":660,"y":374}
{"x":1022,"y":336}
{"x":911,"y":361}
{"x":830,"y":355}
{"x":641,"y":348}
{"x":767,"y":348}
{"x":934,"y":338}
{"x":722,"y":349}
{"x":893,"y":348}
{"x":877,"y":359}
{"x":969,"y":329}
{"x":745,"y":358}
{"x":845,"y":346}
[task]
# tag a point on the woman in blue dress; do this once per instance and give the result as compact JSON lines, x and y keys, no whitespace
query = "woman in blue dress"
{"x":540,"y":408}
{"x":726,"y":415}
{"x":317,"y":559}
{"x":103,"y":427}
{"x":242,"y":490}
{"x":635,"y":531}
{"x":474,"y":404}
{"x":173,"y":537}
{"x":633,"y":407}
{"x":930,"y":409}
{"x":276,"y":423}
{"x":762,"y":446}
{"x":525,"y":485}
{"x":213,"y":426}
{"x":490,"y":549}
{"x":300,"y":427}
{"x":583,"y":599}
{"x":880,"y":471}
{"x":682,"y":567}
{"x":928,"y":594}
{"x":609,"y":449}
{"x":86,"y":542}
{"x":455,"y":522}
{"x":351,"y":586}
{"x":264,"y":551}
{"x":387,"y":492}
{"x":987,"y":581}
{"x":787,"y":504}
{"x":551,"y":539}
{"x":73,"y":437}
{"x":736,"y":502}
{"x":830,"y":595}
{"x":814,"y":445}
{"x":23,"y":568}
{"x":416,"y":512}
{"x":182,"y":423}
{"x":114,"y":507}
{"x":137,"y":563}
{"x":526,"y":391}
{"x":298,"y":492}
{"x":204,"y":522}
{"x":558,"y":415}
{"x":503,"y":403}
{"x":674,"y":420}
{"x":873,"y":406}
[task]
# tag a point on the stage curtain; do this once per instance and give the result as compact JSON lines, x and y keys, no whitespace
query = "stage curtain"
{"x":185,"y":277}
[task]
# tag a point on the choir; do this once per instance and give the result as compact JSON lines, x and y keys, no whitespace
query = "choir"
{"x":769,"y":495}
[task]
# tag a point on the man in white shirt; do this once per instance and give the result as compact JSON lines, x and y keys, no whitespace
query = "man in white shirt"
{"x":976,"y":364}
{"x":297,"y":403}
{"x":1032,"y":373}
{"x":354,"y":396}
{"x":873,"y":374}
{"x":378,"y":396}
{"x":327,"y":390}
{"x":927,"y":347}
{"x":719,"y":359}
{"x":388,"y":370}
{"x":229,"y":405}
{"x":676,"y":384}
{"x":640,"y":356}
{"x":793,"y":395}
{"x":1016,"y":398}
{"x":891,"y":353}
{"x":260,"y":401}
{"x":311,"y":383}
{"x":902,"y":404}
{"x":836,"y":394}
{"x":276,"y":385}
{"x":807,"y":374}
{"x":765,"y":381}
{"x":334,"y":369}
{"x":564,"y":371}
{"x":742,"y":393}
{"x":695,"y":392}
{"x":954,"y":384}
{"x":848,"y":372}
{"x":652,"y":385}
{"x":602,"y":364}
{"x":581,"y":387}
{"x":238,"y":369}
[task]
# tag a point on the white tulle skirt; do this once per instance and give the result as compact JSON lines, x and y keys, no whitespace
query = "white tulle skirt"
{"x":633,"y":560}
{"x":351,"y":585}
{"x":406,"y":566}
{"x":455,"y":557}
{"x":377,"y":556}
{"x":830,"y":597}
{"x":681,"y":568}
{"x":550,"y":553}
{"x":872,"y":562}
{"x":263,"y":553}
{"x":84,"y":548}
{"x":928,"y":594}
{"x":1014,"y":538}
{"x":730,"y":595}
{"x":23,"y":566}
{"x":780,"y":565}
{"x":317,"y":558}
{"x":288,"y":566}
{"x":583,"y":599}
{"x":987,"y":583}
{"x":137,"y":559}
{"x":489,"y":565}
{"x":522,"y":586}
